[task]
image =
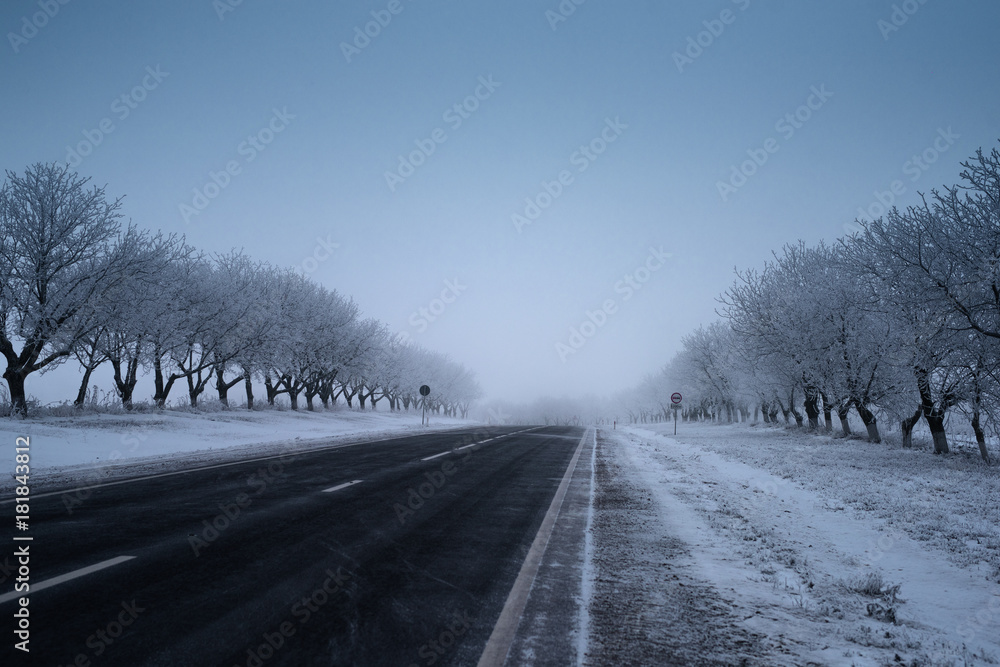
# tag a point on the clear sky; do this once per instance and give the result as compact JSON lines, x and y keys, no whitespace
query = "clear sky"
{"x":310,"y":115}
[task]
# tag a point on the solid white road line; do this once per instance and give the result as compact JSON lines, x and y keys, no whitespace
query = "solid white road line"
{"x":586,"y":587}
{"x":342,"y":486}
{"x":495,"y":653}
{"x":54,"y":581}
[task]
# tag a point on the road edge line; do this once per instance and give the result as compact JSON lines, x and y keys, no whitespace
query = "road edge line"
{"x":586,"y":583}
{"x":498,"y":645}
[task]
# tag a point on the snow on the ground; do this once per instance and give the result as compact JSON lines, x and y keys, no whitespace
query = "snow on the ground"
{"x":839,"y":551}
{"x":109,"y":445}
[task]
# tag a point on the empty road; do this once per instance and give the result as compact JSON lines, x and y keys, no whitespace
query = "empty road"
{"x":398,"y":552}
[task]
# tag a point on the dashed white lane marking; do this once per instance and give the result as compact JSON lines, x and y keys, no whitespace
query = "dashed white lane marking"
{"x":55,"y":581}
{"x":342,"y":486}
{"x":481,"y":442}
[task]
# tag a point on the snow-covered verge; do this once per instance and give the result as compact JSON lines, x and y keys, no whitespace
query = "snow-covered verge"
{"x":101,"y":446}
{"x":835,"y":560}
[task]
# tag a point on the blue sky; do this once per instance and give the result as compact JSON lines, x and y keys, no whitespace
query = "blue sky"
{"x":328,"y":127}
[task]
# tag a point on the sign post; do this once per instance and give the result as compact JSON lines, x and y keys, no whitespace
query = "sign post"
{"x":424,"y":390}
{"x":675,"y":399}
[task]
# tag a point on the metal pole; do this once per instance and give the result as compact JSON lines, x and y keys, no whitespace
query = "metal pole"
{"x":675,"y":421}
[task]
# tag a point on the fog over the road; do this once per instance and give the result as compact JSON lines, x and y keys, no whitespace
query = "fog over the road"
{"x":552,"y":193}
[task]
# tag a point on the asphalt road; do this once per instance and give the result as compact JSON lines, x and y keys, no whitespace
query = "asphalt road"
{"x":285,"y":561}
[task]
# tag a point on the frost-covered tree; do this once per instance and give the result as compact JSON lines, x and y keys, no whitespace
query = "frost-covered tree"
{"x":62,"y":252}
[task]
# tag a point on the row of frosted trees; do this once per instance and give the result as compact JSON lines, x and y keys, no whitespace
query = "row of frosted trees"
{"x":78,"y":286}
{"x":900,"y":320}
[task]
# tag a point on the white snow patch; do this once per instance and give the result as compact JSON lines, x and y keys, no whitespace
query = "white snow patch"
{"x":795,"y":557}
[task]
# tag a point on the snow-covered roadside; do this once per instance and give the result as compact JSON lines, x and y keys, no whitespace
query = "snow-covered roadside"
{"x":108,"y":446}
{"x":813,"y":573}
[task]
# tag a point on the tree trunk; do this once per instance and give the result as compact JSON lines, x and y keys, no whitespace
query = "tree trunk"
{"x":933,"y":414}
{"x":248,"y":383}
{"x":126,"y":391}
{"x":827,"y":413}
{"x":18,"y":400}
{"x":272,"y":391}
{"x":193,"y":391}
{"x":220,"y":384}
{"x":792,"y":409}
{"x":812,"y":406}
{"x":935,"y":420}
{"x":159,"y":396}
{"x":906,"y":426}
{"x":223,"y":386}
{"x":842,"y":413}
{"x":126,"y":385}
{"x":980,"y":436}
{"x":870,"y":421}
{"x":81,"y":395}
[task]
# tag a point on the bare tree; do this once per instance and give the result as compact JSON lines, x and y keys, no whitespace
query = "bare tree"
{"x":62,"y":251}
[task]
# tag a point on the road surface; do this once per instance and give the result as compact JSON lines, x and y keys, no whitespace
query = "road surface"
{"x":398,"y":552}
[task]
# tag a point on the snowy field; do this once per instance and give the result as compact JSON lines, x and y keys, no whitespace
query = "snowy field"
{"x":826,"y":551}
{"x":103,"y":446}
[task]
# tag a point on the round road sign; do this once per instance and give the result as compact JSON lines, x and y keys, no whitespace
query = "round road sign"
{"x":424,"y":390}
{"x":675,"y":397}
